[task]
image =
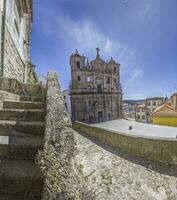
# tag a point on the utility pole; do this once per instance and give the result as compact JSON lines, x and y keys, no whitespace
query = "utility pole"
{"x":3,"y":25}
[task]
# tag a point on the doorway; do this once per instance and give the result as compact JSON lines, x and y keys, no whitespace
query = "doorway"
{"x":100,"y":116}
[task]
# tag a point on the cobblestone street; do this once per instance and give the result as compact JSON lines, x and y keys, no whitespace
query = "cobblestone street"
{"x":115,"y":178}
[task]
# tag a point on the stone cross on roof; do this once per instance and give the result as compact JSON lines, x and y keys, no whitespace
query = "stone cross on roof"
{"x":97,"y":54}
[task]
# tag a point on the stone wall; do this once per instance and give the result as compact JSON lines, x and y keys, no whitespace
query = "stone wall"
{"x":16,"y":51}
{"x":156,"y":149}
{"x":0,"y":31}
{"x":62,"y":180}
{"x":14,"y":67}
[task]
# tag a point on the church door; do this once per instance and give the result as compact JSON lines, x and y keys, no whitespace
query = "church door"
{"x":100,"y":116}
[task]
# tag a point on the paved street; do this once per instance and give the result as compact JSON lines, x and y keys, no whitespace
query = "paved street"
{"x":116,"y":178}
{"x":122,"y":126}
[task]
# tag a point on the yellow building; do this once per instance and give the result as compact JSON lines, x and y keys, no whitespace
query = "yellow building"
{"x":165,"y":115}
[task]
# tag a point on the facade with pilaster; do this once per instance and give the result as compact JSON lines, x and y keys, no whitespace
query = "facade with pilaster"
{"x":95,"y":89}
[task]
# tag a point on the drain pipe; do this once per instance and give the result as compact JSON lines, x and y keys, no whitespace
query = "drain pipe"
{"x":3,"y":25}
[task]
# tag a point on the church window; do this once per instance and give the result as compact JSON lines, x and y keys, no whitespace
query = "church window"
{"x":90,"y":118}
{"x":108,"y":81}
{"x":88,"y":79}
{"x":115,"y":80}
{"x":78,"y":78}
{"x":78,"y":64}
{"x":115,"y":70}
{"x":99,"y":89}
{"x":104,"y":102}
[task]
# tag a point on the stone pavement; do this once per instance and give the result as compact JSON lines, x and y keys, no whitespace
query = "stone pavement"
{"x":115,"y":178}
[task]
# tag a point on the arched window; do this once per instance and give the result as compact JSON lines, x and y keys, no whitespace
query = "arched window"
{"x":108,"y":81}
{"x":78,"y":78}
{"x":115,"y":69}
{"x":88,"y":79}
{"x":78,"y":64}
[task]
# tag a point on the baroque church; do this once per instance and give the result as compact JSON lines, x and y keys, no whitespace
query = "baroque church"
{"x":95,"y":89}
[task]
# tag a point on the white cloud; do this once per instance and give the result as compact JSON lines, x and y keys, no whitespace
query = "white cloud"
{"x":135,"y":75}
{"x":84,"y":35}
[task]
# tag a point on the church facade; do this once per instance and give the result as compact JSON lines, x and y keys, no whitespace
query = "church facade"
{"x":95,"y":89}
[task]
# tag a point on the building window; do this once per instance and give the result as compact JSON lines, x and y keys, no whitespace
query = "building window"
{"x":138,"y":116}
{"x":88,"y":79}
{"x":78,"y":78}
{"x":108,"y":81}
{"x":115,"y":70}
{"x":78,"y":64}
{"x":90,"y":118}
{"x":149,"y":103}
{"x":143,"y":116}
{"x":16,"y":27}
{"x":115,"y":80}
{"x":99,"y":89}
{"x":104,"y":103}
{"x":17,"y":2}
{"x":143,"y":110}
{"x":154,"y":103}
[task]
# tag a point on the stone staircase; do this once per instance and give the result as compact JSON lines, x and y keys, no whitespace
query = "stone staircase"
{"x":21,"y":136}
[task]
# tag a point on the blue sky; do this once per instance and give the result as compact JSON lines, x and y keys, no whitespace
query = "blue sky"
{"x":140,"y":34}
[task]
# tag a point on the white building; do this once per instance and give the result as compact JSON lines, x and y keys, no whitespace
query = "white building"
{"x":140,"y":113}
{"x":15,"y":29}
{"x":67,"y":101}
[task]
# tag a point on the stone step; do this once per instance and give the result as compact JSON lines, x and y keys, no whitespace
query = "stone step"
{"x":22,"y":115}
{"x":20,"y":147}
{"x":33,"y":99}
{"x":8,"y":127}
{"x":20,"y":178}
{"x":5,"y":196}
{"x":7,"y":104}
